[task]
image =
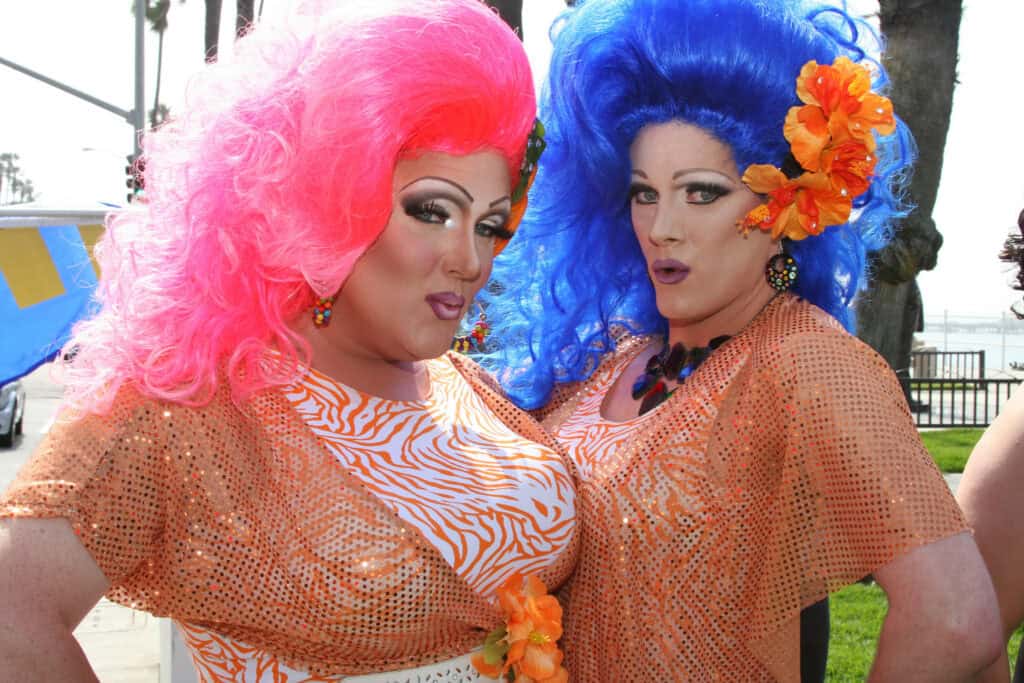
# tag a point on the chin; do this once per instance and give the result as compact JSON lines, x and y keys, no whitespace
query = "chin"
{"x":687,"y":315}
{"x":673,"y":309}
{"x":428,"y":346}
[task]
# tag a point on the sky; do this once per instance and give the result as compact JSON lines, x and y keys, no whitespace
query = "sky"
{"x":75,"y":152}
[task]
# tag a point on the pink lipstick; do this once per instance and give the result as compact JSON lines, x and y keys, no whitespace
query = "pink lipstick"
{"x":669,"y":271}
{"x":446,"y":305}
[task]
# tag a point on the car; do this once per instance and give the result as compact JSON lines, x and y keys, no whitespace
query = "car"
{"x":12,"y":412}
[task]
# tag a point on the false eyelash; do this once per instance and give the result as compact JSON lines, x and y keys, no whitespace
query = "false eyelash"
{"x":712,"y":188}
{"x":417,"y":207}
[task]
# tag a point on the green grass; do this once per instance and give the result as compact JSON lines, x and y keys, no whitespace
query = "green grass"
{"x":950,"y":447}
{"x":945,"y":386}
{"x":857,"y":613}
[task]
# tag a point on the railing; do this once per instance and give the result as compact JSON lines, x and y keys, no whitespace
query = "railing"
{"x":948,"y":364}
{"x":950,"y":389}
{"x":957,"y":402}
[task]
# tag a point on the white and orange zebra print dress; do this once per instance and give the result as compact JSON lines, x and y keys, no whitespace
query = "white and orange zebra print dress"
{"x":492,"y":502}
{"x":314,"y":534}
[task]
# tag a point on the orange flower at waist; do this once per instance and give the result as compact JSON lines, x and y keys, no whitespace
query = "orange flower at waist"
{"x":525,"y":650}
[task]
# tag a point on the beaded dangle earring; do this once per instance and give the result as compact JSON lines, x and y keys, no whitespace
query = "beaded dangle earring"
{"x":474,"y":341}
{"x":781,"y":271}
{"x":322,"y":311}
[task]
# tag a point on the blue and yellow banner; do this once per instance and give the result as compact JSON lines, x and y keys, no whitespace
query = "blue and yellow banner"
{"x":47,"y":279}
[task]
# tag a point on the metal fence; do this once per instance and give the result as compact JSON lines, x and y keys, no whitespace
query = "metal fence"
{"x":950,"y":389}
{"x":948,"y":364}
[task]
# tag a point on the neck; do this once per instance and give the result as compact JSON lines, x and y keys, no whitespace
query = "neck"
{"x":362,"y":369}
{"x":728,"y":320}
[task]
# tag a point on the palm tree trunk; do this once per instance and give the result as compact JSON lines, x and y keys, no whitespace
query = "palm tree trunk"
{"x":153,"y":115}
{"x":212,"y":29}
{"x":3,"y":164}
{"x":921,"y":57}
{"x":512,"y":12}
{"x":243,"y":15}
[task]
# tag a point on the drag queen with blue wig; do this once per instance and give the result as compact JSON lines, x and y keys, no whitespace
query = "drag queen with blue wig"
{"x":716,"y":173}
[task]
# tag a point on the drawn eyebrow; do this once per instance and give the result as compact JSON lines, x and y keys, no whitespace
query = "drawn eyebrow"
{"x":499,"y":201}
{"x":686,"y":171}
{"x":443,"y":180}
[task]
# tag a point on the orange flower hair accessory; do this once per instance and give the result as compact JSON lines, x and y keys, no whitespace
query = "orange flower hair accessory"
{"x":525,"y":649}
{"x":831,"y":137}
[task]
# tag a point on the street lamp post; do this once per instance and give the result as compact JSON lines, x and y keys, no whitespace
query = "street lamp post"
{"x":135,"y":117}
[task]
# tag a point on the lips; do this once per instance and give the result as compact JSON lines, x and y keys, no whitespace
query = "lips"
{"x":669,"y":271}
{"x":446,"y":305}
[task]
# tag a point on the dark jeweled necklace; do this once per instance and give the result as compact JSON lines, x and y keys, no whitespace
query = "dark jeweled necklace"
{"x":676,"y":363}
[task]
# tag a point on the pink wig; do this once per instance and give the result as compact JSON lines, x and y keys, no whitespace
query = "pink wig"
{"x":276,"y":177}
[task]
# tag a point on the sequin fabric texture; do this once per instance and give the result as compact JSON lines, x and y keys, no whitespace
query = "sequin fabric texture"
{"x":490,"y":501}
{"x":786,"y":467}
{"x":240,"y":521}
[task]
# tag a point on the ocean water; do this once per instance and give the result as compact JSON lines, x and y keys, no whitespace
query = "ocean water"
{"x":1000,"y":349}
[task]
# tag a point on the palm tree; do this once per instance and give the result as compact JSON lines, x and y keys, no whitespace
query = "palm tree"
{"x":28,"y":191}
{"x":244,"y":14}
{"x":13,"y":188}
{"x":921,"y":57}
{"x":157,"y":16}
{"x":5,"y":161}
{"x":512,"y":12}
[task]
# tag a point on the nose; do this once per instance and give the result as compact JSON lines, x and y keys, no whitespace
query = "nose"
{"x":666,"y":227}
{"x":462,"y":258}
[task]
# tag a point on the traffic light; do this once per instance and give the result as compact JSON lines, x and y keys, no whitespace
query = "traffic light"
{"x":136,"y":182}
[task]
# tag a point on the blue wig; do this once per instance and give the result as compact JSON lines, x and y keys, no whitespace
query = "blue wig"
{"x":575,"y":269}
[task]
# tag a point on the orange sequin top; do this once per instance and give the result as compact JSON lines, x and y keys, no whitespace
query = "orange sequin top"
{"x":784,"y":468}
{"x":262,"y":526}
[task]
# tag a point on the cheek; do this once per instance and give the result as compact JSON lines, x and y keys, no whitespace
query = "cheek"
{"x":485,"y":253}
{"x":748,"y":256}
{"x":409,"y":253}
{"x":391,"y":273}
{"x":642,"y":217}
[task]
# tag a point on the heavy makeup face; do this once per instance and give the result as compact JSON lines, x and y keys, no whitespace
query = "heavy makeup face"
{"x":406,"y":294}
{"x":686,"y":198}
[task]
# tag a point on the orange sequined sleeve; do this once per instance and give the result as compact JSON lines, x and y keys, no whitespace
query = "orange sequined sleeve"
{"x":238,"y":520}
{"x":857,"y":486}
{"x":100,"y":473}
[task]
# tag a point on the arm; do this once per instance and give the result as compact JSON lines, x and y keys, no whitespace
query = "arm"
{"x":48,"y":583}
{"x":991,"y":497}
{"x":887,"y":510}
{"x":942,"y":623}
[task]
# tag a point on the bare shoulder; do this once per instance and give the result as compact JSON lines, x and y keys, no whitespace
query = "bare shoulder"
{"x":994,"y":474}
{"x":999,"y":454}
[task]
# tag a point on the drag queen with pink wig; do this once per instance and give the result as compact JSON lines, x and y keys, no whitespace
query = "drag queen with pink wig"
{"x":263,"y":436}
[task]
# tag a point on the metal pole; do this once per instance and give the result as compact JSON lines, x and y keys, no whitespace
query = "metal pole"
{"x":945,"y":329}
{"x":126,"y":115}
{"x":139,"y":113}
{"x":1002,"y":328}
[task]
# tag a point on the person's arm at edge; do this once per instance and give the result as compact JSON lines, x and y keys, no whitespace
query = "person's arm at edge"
{"x":990,"y":495}
{"x":942,"y":622}
{"x":48,"y":583}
